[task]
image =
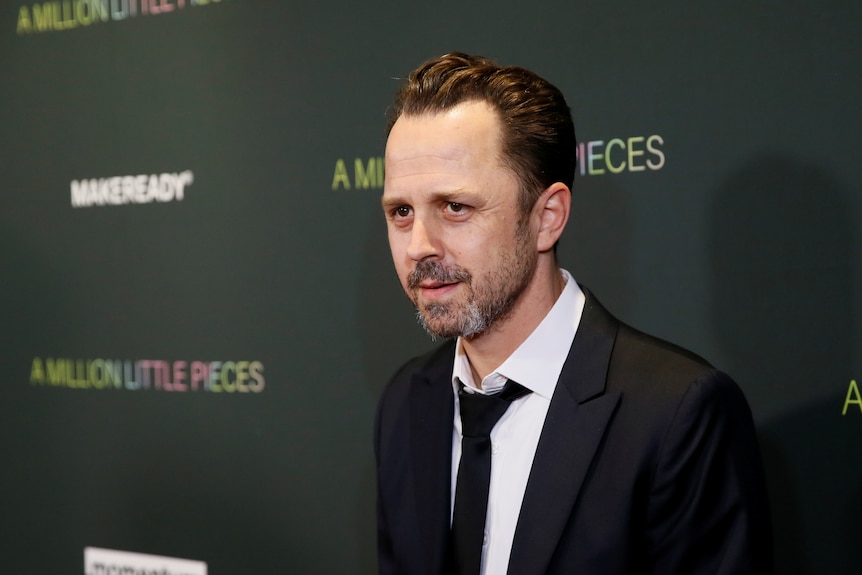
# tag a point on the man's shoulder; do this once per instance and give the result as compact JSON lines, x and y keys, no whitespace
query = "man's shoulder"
{"x":434,"y":364}
{"x":433,"y":368}
{"x":648,"y":369}
{"x":639,"y":347}
{"x":640,"y":353}
{"x":435,"y":358}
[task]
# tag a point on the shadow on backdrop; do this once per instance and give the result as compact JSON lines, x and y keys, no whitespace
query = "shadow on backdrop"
{"x":596,"y":246}
{"x":781,"y":248}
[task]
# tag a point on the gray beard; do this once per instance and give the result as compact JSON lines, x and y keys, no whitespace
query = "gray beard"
{"x":473,"y":318}
{"x":473,"y":322}
{"x":483,"y":309}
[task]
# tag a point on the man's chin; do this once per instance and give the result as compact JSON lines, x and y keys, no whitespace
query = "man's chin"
{"x":436,"y":327}
{"x":442,"y":325}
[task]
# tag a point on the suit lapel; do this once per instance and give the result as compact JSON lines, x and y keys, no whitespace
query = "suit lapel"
{"x":577,"y":418}
{"x":432,"y":411}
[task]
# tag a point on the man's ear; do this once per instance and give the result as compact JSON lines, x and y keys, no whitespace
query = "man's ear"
{"x":552,"y":209}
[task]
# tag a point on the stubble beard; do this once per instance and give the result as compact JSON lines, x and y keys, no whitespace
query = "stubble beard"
{"x":488,"y":301}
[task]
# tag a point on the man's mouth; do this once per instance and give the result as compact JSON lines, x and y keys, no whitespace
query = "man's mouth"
{"x":431,"y":280}
{"x":435,"y":289}
{"x":430,"y":284}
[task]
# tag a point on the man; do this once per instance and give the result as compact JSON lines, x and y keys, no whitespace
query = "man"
{"x":618,"y":452}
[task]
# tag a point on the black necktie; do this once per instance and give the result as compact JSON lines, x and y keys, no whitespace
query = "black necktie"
{"x":479,"y":414}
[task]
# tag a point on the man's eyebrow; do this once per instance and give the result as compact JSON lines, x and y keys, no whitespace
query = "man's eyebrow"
{"x":391,"y":201}
{"x":460,"y":195}
{"x":451,"y":196}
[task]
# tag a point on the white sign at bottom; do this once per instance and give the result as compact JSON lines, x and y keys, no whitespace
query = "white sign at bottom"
{"x":109,"y":562}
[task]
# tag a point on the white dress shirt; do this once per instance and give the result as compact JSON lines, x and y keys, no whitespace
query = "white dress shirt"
{"x":536,"y":365}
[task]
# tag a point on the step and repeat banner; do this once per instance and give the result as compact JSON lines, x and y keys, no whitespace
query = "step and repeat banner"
{"x":198,"y":309}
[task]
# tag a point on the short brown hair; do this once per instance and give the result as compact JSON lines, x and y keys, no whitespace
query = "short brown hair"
{"x":538,"y":140}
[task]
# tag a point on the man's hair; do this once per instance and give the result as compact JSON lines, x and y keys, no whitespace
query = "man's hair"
{"x":538,"y":136}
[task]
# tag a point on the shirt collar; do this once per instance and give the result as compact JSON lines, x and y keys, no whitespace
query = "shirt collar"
{"x":537,"y":362}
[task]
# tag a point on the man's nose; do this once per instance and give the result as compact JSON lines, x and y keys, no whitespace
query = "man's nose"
{"x":424,"y":242}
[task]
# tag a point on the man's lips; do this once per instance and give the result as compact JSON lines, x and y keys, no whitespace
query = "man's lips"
{"x":430,"y":284}
{"x":435,"y":289}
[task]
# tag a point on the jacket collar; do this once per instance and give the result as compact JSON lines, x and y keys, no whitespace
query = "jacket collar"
{"x":578,"y":416}
{"x":432,"y":410}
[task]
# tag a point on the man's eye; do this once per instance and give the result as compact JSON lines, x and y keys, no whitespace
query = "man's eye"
{"x":456,"y":207}
{"x":402,"y":211}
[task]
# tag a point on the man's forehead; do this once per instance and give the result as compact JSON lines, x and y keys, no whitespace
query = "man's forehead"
{"x":466,"y":108}
{"x":466,"y":131}
{"x":463,"y":118}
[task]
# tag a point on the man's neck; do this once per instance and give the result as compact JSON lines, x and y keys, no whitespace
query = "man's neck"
{"x":489,"y":350}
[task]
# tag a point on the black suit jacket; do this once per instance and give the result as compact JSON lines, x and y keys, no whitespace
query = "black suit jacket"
{"x":647,"y":463}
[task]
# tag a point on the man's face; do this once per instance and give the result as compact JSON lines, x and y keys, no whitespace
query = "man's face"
{"x":462,"y":249}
